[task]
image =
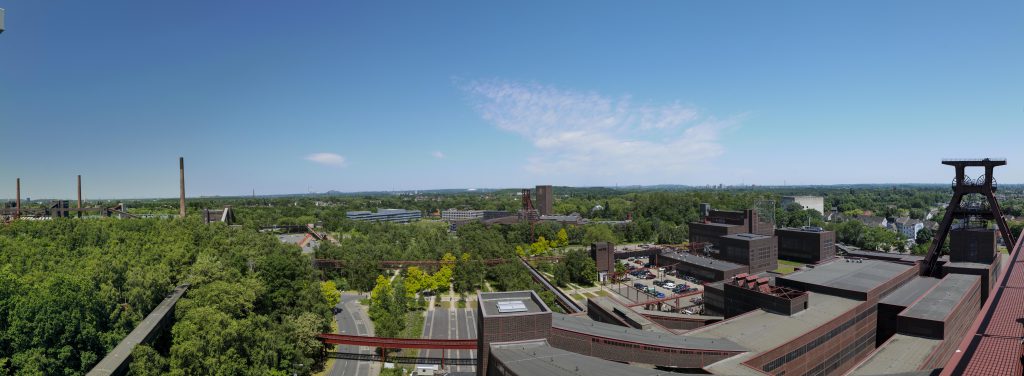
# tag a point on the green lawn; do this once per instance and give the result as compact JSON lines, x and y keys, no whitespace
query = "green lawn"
{"x":601,"y":293}
{"x":578,"y":297}
{"x":786,"y":267}
{"x":413,"y":329}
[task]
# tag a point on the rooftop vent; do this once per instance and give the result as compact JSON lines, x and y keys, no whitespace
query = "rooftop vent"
{"x":511,"y":306}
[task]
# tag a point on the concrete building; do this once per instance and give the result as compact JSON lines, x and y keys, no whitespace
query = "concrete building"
{"x":807,"y":202}
{"x":545,"y":199}
{"x":385,"y":215}
{"x":807,"y":244}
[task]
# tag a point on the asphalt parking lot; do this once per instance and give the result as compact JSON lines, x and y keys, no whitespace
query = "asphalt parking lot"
{"x":659,"y":275}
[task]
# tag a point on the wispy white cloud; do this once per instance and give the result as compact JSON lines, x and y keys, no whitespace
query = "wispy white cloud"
{"x":327,"y":159}
{"x":438,"y":154}
{"x":589,"y":134}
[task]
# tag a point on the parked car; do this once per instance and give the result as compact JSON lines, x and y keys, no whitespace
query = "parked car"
{"x":639,"y":286}
{"x":659,"y":283}
{"x":669,"y":285}
{"x":660,"y":295}
{"x":649,"y":276}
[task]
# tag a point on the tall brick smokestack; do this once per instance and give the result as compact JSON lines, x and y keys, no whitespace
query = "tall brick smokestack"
{"x":17,"y":210}
{"x":79,"y":195}
{"x":181,"y":169}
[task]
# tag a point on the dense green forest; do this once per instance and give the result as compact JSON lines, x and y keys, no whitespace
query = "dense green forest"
{"x":70,"y":290}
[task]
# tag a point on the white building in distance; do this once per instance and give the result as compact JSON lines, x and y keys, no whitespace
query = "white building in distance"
{"x":808,"y":202}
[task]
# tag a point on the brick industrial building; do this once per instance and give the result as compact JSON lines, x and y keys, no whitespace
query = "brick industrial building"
{"x":807,"y":244}
{"x":841,"y":316}
{"x":545,"y":196}
{"x":739,"y":237}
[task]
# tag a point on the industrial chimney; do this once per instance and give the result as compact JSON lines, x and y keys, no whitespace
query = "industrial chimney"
{"x":79,"y":196}
{"x":181,"y":169}
{"x":17,"y":200}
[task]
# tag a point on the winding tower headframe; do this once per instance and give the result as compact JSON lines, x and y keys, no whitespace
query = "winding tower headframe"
{"x":963,"y":185}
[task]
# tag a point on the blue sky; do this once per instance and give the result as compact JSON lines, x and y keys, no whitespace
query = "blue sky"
{"x":286,"y":97}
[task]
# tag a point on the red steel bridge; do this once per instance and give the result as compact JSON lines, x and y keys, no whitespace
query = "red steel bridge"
{"x":386,"y":344}
{"x":329,"y":264}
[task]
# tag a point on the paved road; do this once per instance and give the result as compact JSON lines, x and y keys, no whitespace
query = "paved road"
{"x":437,"y":325}
{"x":466,"y":323}
{"x":353,"y":320}
{"x":452,"y":323}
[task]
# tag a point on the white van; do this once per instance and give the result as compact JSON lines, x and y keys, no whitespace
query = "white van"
{"x":426,"y":370}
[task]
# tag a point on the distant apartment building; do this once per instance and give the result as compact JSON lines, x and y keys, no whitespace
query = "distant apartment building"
{"x":908,"y":227}
{"x":807,"y":202}
{"x":453,"y":215}
{"x":873,"y":221}
{"x":385,"y":215}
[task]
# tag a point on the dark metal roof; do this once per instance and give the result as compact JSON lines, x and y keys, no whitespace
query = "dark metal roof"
{"x":941,"y":300}
{"x":845,"y":274}
{"x":705,"y":262}
{"x":539,"y":358}
{"x":905,"y":295}
{"x":599,"y":329}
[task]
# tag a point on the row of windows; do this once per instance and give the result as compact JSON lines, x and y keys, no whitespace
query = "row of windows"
{"x":778,"y":362}
{"x":865,"y":342}
{"x":657,"y":349}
